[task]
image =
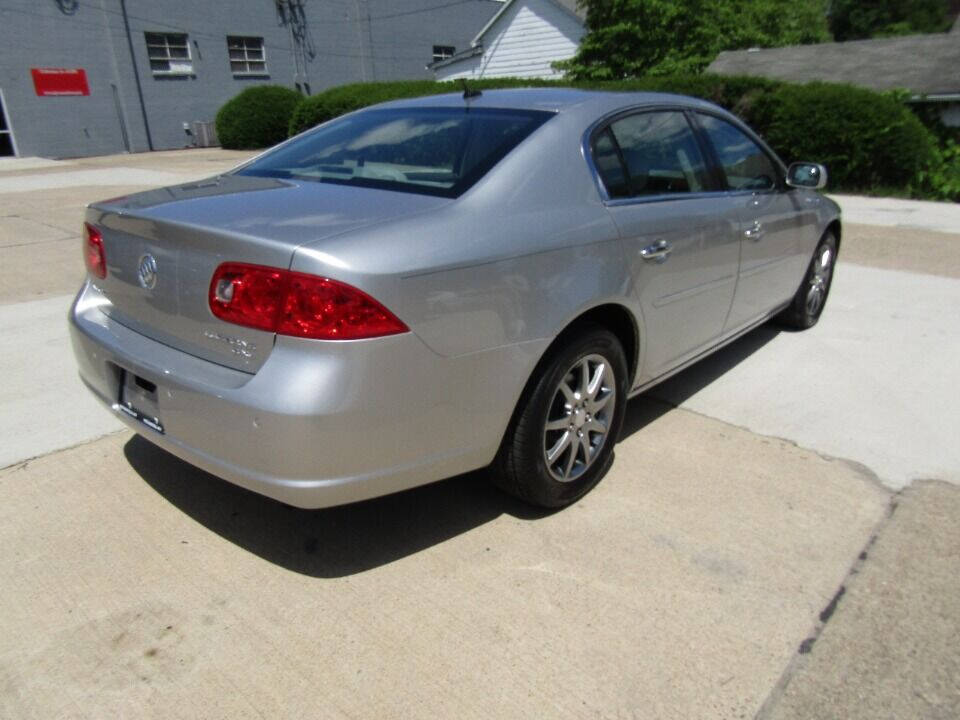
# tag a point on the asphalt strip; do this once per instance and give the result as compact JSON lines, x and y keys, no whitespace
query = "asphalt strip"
{"x":890,"y":647}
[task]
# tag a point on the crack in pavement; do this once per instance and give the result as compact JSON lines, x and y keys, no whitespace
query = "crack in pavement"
{"x":25,"y":463}
{"x":800,"y":658}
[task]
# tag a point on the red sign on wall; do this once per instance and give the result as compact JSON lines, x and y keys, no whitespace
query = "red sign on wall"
{"x":60,"y":81}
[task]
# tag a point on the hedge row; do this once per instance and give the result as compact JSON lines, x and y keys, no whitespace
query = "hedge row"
{"x":256,"y":118}
{"x":866,"y":139}
{"x":736,"y":93}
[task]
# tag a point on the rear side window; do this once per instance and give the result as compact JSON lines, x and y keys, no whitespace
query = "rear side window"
{"x":606,"y":157}
{"x":432,"y":151}
{"x":656,"y":153}
{"x":745,"y":164}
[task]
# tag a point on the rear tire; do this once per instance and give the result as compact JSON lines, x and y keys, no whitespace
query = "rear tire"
{"x":811,"y":297}
{"x":560,"y":441}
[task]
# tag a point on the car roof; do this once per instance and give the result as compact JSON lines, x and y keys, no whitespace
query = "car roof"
{"x":555,"y":99}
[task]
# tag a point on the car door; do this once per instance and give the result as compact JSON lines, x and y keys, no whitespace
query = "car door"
{"x":681,"y":246}
{"x":771,"y":226}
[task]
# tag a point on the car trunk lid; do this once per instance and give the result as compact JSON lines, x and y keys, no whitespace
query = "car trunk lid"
{"x":162,"y":248}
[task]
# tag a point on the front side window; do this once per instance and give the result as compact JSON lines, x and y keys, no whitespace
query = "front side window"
{"x":651,"y":153}
{"x":745,"y":164}
{"x":431,"y":151}
{"x":247,"y":56}
{"x":169,"y":53}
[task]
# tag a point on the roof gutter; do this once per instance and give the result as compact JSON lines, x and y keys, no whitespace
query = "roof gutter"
{"x":469,"y":53}
{"x":936,"y":97}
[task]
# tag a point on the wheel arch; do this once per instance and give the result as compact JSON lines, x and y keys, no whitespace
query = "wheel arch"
{"x":613,"y":316}
{"x":834,"y":227}
{"x":617,"y":319}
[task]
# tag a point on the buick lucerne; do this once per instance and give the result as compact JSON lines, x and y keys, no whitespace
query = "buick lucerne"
{"x":432,"y":286}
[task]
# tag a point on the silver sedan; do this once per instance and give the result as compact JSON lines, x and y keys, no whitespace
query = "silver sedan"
{"x":432,"y":286}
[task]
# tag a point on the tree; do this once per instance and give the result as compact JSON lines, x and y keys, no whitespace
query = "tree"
{"x":629,"y":38}
{"x":856,"y":20}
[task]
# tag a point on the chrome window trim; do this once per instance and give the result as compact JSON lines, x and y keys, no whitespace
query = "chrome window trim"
{"x":745,"y":193}
{"x":664,"y":197}
{"x":586,"y":149}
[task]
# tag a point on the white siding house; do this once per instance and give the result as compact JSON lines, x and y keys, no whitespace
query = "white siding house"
{"x":522,"y":40}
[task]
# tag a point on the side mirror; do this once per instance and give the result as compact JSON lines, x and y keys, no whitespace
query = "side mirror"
{"x":807,"y":175}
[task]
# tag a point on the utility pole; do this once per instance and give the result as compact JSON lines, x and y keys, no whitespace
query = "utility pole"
{"x":293,"y":14}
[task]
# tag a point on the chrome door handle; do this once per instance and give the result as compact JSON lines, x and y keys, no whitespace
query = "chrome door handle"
{"x":657,"y":252}
{"x":756,"y":232}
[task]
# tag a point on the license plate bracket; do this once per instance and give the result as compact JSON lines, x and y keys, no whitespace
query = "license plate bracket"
{"x":138,"y":399}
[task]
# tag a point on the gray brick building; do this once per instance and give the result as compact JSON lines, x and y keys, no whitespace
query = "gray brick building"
{"x":90,"y":77}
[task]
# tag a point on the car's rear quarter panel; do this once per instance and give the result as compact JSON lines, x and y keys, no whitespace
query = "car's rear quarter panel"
{"x":513,"y":260}
{"x":490,"y":280}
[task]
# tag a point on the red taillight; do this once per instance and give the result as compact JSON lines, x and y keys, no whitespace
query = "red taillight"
{"x":292,"y":303}
{"x":93,"y":254}
{"x":248,"y":295}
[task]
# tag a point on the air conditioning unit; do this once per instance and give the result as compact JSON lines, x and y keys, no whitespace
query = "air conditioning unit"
{"x":205,"y":134}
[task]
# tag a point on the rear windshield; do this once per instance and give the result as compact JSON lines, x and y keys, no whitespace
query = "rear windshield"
{"x":432,"y":151}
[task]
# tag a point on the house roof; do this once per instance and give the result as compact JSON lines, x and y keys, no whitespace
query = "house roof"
{"x":569,"y":5}
{"x":922,"y":64}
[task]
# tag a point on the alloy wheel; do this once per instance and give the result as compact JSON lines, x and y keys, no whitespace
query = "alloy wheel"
{"x":579,"y":417}
{"x":819,"y":280}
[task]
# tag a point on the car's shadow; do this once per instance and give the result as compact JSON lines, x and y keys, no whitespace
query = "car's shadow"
{"x":672,"y":392}
{"x":333,"y":542}
{"x":342,"y":541}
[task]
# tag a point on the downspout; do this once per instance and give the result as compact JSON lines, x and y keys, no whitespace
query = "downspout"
{"x":136,"y":74}
{"x":363,"y":54}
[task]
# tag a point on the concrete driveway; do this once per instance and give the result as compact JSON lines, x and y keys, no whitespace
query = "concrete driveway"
{"x":778,"y":537}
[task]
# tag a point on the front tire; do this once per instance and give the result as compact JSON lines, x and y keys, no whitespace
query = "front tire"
{"x":560,"y":441}
{"x":811,"y":297}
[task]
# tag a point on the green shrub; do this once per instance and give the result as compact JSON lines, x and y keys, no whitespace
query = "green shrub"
{"x":929,"y":114}
{"x":340,"y":100}
{"x":737,"y":93}
{"x":256,"y":118}
{"x":864,"y":138}
{"x":941,"y":180}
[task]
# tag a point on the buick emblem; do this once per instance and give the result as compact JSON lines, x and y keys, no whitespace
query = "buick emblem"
{"x":147,"y":272}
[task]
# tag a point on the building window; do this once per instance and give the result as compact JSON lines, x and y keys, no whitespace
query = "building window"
{"x":442,"y":52}
{"x":247,"y":56}
{"x":169,"y":54}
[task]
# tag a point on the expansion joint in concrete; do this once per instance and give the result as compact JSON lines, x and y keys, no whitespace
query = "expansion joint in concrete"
{"x":806,"y":646}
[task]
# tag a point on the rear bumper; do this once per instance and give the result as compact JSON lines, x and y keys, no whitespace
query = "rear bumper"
{"x":320,"y":423}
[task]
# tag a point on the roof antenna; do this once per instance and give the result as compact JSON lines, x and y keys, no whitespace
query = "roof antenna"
{"x":467,"y":92}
